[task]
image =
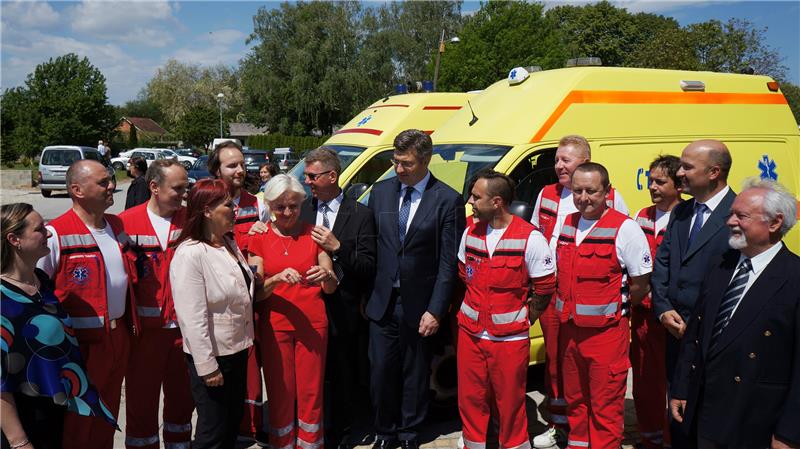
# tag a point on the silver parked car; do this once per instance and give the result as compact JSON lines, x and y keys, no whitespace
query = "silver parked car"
{"x":56,"y":159}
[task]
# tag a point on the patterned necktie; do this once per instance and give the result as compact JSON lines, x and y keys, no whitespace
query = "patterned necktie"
{"x":733,"y":294}
{"x":405,"y":211}
{"x":325,"y":208}
{"x":699,"y":209}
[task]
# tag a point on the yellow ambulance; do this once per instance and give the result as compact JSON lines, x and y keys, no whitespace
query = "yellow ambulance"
{"x":364,"y":144}
{"x":629,"y":116}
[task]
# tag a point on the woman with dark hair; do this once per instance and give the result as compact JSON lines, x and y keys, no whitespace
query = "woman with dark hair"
{"x":212,"y":289}
{"x":294,"y":335}
{"x":138,"y":191}
{"x":43,"y":375}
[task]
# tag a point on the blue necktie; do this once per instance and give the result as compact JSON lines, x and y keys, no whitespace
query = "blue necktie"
{"x":405,"y":211}
{"x":699,"y":209}
{"x":733,"y":294}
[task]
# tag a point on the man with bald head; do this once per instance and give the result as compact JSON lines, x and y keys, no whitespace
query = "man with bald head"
{"x":93,"y":270}
{"x":695,"y":235}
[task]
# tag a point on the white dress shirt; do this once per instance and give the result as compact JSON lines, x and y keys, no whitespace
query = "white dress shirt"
{"x":758,"y":262}
{"x":711,"y":204}
{"x":416,"y":197}
{"x":333,"y":209}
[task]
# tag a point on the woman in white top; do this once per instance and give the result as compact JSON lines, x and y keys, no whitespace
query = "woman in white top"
{"x":212,"y":287}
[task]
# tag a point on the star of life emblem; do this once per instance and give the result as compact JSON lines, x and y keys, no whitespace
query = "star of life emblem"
{"x":470,"y":272}
{"x":80,"y":274}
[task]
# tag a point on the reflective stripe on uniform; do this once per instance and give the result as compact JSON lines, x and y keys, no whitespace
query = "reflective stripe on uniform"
{"x":603,"y":232}
{"x":510,"y":244}
{"x":311,"y":428}
{"x":149,"y":312}
{"x":475,"y":242}
{"x":89,"y":322}
{"x":559,"y":304}
{"x":548,"y":204}
{"x":510,"y":317}
{"x":645,"y":222}
{"x":601,"y":310}
{"x":306,"y":445}
{"x":469,"y":311}
{"x":141,"y":442}
{"x":71,"y":240}
{"x":568,"y":230}
{"x":177,"y":428}
{"x":577,"y":443}
{"x":145,"y":240}
{"x":281,"y":431}
{"x":174,"y":234}
{"x":473,"y":445}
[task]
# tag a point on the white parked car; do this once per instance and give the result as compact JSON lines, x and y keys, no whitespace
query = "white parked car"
{"x":149,"y":155}
{"x":121,"y":162}
{"x":186,"y":161}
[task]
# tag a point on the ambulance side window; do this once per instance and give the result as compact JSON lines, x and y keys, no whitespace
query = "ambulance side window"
{"x":534,"y":172}
{"x":373,"y":168}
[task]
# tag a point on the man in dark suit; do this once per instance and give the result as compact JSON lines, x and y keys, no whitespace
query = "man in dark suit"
{"x":346,"y":230}
{"x":420,"y":221}
{"x":737,"y":383}
{"x":695,"y":235}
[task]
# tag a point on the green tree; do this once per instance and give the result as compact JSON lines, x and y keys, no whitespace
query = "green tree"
{"x":142,"y":106}
{"x":669,"y":48}
{"x":497,"y":38}
{"x":198,"y":126}
{"x":792,"y":94}
{"x":62,"y":102}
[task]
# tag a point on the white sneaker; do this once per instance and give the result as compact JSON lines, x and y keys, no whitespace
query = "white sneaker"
{"x":549,"y":438}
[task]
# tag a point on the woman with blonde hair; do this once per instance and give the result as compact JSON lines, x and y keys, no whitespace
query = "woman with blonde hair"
{"x":294,"y":328}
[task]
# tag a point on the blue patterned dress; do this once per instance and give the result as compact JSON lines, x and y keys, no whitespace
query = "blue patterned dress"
{"x":40,"y":356}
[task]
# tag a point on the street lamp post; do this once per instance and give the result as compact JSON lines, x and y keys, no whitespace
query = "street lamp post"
{"x":453,"y":40}
{"x":220,"y":96}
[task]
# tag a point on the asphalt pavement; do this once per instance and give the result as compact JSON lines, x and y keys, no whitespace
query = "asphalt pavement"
{"x":59,"y":202}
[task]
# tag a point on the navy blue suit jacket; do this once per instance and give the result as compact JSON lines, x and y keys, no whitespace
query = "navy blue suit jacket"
{"x":748,"y":387}
{"x":679,"y":269}
{"x":427,"y":260}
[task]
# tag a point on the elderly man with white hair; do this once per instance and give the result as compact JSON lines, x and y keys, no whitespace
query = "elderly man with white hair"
{"x":296,"y":271}
{"x":737,"y":382}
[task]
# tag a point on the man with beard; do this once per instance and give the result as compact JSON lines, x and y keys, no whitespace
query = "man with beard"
{"x":695,"y":235}
{"x":737,"y":382}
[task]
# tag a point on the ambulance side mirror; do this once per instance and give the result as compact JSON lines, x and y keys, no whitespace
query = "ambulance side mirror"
{"x":522,"y":210}
{"x":356,"y":190}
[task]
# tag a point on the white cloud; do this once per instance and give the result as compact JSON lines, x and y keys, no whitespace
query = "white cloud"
{"x":636,"y":6}
{"x":137,"y":23}
{"x":29,"y":15}
{"x":212,"y":48}
{"x":226,"y":37}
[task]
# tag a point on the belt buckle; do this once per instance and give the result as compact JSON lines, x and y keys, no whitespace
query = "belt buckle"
{"x":113,"y":324}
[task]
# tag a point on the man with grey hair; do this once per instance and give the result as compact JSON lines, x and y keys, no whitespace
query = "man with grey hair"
{"x":737,"y":381}
{"x":157,"y":358}
{"x":92,"y":269}
{"x":345,"y":229}
{"x":419,"y":222}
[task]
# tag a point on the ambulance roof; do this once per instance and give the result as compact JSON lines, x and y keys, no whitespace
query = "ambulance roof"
{"x":380,"y":123}
{"x":619,"y":102}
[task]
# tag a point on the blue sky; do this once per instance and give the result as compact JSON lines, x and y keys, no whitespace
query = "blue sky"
{"x":128,"y":41}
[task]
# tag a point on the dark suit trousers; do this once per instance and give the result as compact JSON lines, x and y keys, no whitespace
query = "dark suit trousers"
{"x":677,"y":433}
{"x":400,"y":359}
{"x":341,"y":389}
{"x":219,"y":409}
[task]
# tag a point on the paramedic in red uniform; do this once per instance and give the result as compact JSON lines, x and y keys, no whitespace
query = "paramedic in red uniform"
{"x":553,"y":205}
{"x":603,"y":262}
{"x":92,"y":267}
{"x":509,"y":274}
{"x":226,"y":162}
{"x":294,"y":329}
{"x":647,"y":333}
{"x":157,"y":355}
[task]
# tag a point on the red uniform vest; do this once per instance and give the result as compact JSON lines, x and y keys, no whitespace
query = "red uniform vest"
{"x":647,"y":221}
{"x":497,"y":286}
{"x":153,"y":291}
{"x":80,"y":278}
{"x":548,"y":208}
{"x":246,"y":215}
{"x":589,"y":274}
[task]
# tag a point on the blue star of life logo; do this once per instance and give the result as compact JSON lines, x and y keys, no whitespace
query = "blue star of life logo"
{"x":364,"y":120}
{"x":646,"y":259}
{"x":767,"y":167}
{"x":470,"y":271}
{"x":548,"y":261}
{"x":80,"y":274}
{"x":513,"y":74}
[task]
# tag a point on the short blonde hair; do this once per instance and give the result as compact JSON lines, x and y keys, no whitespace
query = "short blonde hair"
{"x":577,"y":141}
{"x":280,"y":184}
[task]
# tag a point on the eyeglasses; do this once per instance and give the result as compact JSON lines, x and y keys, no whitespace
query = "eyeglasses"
{"x":314,"y":176}
{"x":405,"y":164}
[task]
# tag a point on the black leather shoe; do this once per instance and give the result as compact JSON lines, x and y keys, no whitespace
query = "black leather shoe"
{"x":409,"y":444}
{"x":380,"y":443}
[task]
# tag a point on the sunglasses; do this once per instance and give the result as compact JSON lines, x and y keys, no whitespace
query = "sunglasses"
{"x":315,"y":176}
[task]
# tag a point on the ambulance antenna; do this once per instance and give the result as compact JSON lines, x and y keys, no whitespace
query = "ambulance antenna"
{"x":474,"y":117}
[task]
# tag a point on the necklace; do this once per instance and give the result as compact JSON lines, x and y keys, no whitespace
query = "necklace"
{"x":285,"y":247}
{"x":32,"y":284}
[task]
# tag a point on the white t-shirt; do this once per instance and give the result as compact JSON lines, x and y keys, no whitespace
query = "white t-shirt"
{"x":161,"y":226}
{"x":566,"y":207}
{"x":633,"y":251}
{"x":539,"y":262}
{"x":116,"y":276}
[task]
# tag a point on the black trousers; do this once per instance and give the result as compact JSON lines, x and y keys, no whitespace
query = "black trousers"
{"x":400,"y":358}
{"x":219,"y":409}
{"x":680,"y":439}
{"x":42,"y":420}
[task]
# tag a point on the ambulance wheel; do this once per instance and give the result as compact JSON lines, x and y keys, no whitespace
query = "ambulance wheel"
{"x":444,"y":375}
